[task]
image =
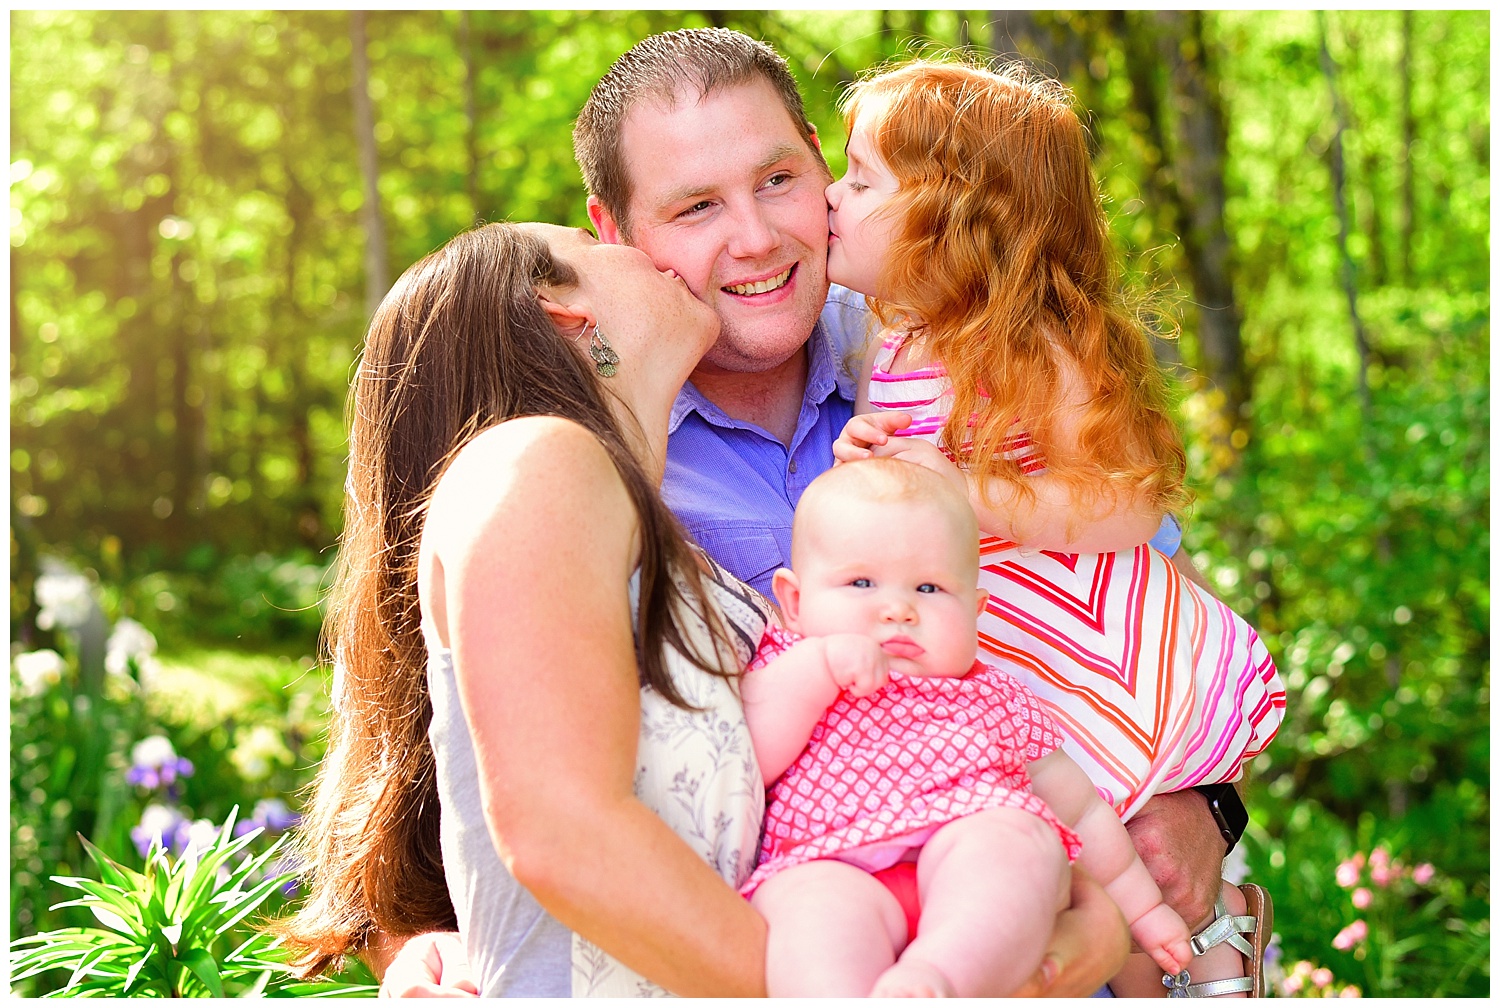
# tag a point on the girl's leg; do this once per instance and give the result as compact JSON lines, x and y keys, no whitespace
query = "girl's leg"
{"x":833,"y":930}
{"x":992,"y":883}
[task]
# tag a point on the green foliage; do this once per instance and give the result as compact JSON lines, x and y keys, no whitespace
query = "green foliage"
{"x":168,"y":930}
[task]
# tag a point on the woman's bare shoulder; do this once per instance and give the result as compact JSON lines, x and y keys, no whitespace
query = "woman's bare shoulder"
{"x":543,"y":466}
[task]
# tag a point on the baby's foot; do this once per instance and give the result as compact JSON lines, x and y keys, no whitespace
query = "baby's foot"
{"x":912,"y":979}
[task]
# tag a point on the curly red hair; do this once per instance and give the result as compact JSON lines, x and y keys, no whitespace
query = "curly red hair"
{"x":1002,"y":262}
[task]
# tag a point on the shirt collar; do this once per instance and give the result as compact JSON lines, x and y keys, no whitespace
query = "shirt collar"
{"x":824,"y":375}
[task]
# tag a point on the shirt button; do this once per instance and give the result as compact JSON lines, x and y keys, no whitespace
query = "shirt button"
{"x":791,"y":467}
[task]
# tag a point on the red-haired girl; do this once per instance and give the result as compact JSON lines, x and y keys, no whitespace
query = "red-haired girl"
{"x":971,"y":218}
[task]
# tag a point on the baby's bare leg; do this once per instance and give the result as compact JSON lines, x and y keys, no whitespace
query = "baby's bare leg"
{"x":992,"y":884}
{"x":833,"y":930}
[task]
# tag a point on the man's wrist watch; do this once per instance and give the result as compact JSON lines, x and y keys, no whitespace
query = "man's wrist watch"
{"x":1228,"y":811}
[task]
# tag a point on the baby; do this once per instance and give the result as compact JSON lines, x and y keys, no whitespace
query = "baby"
{"x":882,"y":739}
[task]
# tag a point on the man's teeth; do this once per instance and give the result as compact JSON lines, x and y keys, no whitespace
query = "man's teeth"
{"x":761,"y":286}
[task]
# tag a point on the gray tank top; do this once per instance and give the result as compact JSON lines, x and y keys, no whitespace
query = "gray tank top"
{"x":696,"y":770}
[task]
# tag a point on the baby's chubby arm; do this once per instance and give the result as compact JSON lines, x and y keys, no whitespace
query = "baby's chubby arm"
{"x":1110,"y":857}
{"x":785,"y":698}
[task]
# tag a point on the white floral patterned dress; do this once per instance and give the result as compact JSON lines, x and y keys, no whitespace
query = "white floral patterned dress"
{"x":695,"y":769}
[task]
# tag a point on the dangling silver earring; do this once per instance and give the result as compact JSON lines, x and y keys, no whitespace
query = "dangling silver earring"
{"x":606,"y":361}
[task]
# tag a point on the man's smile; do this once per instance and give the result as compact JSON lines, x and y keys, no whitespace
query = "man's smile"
{"x":774,"y":282}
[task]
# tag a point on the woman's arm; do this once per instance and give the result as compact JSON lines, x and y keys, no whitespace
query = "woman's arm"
{"x":529,"y":544}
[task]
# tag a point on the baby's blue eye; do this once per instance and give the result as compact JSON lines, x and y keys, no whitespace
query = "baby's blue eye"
{"x":861,"y":583}
{"x":928,"y":588}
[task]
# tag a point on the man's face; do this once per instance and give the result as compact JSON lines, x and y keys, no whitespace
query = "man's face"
{"x":726,"y":192}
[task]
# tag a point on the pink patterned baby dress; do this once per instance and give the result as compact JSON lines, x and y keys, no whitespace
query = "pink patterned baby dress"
{"x":918,"y":753}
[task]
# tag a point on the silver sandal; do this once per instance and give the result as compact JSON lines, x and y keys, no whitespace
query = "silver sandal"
{"x":1225,"y":928}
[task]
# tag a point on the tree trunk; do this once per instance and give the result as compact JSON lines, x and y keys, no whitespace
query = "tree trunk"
{"x":1408,"y":139}
{"x":1341,"y":209}
{"x":1198,"y":160}
{"x":377,"y":274}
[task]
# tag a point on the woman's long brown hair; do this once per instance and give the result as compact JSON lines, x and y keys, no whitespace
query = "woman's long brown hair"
{"x":458,"y":345}
{"x":1003,"y":260}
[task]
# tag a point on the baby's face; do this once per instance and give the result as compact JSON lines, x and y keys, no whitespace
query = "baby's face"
{"x":897,"y":572}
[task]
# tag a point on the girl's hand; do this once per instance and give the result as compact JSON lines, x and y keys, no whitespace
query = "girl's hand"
{"x":867,"y":431}
{"x":924,"y":453}
{"x":856,"y":663}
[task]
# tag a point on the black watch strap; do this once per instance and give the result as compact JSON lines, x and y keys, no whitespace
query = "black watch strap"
{"x":1228,"y":811}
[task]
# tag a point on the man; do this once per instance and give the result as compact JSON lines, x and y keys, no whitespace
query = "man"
{"x":695,"y":148}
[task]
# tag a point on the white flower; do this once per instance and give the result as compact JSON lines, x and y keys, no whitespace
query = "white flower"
{"x":154,"y":751}
{"x":129,"y":641}
{"x":201,"y":833}
{"x":38,"y":669}
{"x":158,"y":819}
{"x":1236,"y":867}
{"x":64,"y":595}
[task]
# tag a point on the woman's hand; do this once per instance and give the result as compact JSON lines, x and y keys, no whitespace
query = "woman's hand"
{"x":1089,"y":944}
{"x":429,"y":965}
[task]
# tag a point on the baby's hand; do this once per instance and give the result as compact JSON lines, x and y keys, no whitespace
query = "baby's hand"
{"x":1163,"y":936}
{"x":866,"y":431}
{"x":856,"y":663}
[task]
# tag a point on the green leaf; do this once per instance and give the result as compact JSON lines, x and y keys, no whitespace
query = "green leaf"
{"x":206,"y":968}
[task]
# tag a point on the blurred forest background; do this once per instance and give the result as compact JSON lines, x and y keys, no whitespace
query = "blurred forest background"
{"x":206,"y":206}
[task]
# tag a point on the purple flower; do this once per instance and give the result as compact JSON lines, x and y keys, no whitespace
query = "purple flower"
{"x":155,"y":764}
{"x":270,"y":814}
{"x":158,"y":822}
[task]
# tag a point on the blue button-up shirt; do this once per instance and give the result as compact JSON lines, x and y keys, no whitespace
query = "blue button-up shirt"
{"x":733,"y":484}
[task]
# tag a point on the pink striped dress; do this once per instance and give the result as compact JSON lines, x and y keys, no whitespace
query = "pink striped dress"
{"x":1156,"y":684}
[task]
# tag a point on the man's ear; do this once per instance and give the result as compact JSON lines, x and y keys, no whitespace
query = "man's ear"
{"x":788,"y":595}
{"x":604,"y":222}
{"x":568,"y":319}
{"x":984,"y":597}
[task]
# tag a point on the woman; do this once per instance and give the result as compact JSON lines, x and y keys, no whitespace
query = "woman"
{"x":502,"y":514}
{"x":599,"y":796}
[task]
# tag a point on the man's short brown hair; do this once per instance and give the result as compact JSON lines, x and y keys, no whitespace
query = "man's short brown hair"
{"x":657,"y":67}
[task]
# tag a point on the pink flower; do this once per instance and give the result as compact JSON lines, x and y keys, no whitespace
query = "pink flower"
{"x":1322,"y":977}
{"x":1380,"y":858}
{"x":1351,"y":936}
{"x":1347,"y":874}
{"x":1382,"y":875}
{"x":1422,"y":873}
{"x":1361,"y":898}
{"x":1291,"y":985}
{"x":1349,"y":991}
